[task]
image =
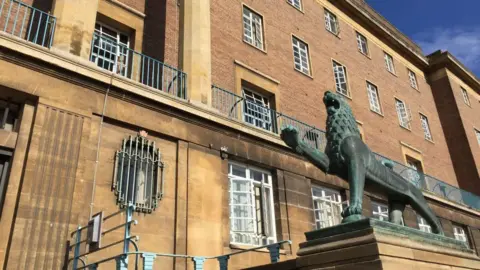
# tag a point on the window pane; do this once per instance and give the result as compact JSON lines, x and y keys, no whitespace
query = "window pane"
{"x":327,"y":207}
{"x":402,"y":113}
{"x":373,"y":98}
{"x":300,"y":55}
{"x":340,"y":78}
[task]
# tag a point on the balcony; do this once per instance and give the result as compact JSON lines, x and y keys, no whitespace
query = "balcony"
{"x":240,"y":109}
{"x":27,"y":23}
{"x":119,"y":59}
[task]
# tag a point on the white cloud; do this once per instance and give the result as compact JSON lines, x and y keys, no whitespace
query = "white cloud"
{"x":464,"y":44}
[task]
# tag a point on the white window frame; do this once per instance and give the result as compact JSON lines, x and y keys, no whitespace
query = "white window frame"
{"x":253,"y":33}
{"x":380,"y":211}
{"x":341,"y":78}
{"x":466,"y":99}
{"x":477,"y":134}
{"x":460,"y":234}
{"x":256,"y":109}
{"x":374,"y":98}
{"x":362,"y":44}
{"x":413,"y":79}
{"x":327,"y":207}
{"x":389,"y":64}
{"x":301,"y":56}
{"x":120,"y":51}
{"x":296,"y":4}
{"x":423,"y":225}
{"x":253,"y":237}
{"x":426,"y":127}
{"x":402,"y":113}
{"x":331,"y":22}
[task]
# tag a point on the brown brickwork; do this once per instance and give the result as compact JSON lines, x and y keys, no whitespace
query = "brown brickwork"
{"x":382,"y":133}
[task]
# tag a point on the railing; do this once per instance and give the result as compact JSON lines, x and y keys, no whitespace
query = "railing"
{"x":237,"y":107}
{"x":27,"y":22}
{"x":118,"y":58}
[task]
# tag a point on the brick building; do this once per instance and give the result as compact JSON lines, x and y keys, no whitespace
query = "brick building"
{"x":212,"y":82}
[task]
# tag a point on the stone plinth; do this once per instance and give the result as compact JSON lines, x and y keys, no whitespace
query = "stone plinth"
{"x":374,"y":244}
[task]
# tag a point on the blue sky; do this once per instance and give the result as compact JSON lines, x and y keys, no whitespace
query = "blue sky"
{"x":438,"y":24}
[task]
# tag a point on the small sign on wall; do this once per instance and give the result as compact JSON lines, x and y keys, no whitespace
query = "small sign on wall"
{"x":94,"y":232}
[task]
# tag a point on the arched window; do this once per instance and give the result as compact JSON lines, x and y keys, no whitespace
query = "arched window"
{"x":138,"y":177}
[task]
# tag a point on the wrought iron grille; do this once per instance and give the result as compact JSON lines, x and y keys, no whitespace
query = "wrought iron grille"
{"x":138,"y":177}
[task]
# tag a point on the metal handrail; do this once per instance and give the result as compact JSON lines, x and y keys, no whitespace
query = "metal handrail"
{"x":26,"y":22}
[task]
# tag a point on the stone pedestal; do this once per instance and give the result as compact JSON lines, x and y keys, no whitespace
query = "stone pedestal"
{"x":374,"y":244}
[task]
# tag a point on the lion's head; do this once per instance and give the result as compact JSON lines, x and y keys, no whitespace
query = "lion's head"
{"x":339,"y":109}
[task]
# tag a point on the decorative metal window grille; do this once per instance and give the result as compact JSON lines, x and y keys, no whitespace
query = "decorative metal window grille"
{"x":331,"y":22}
{"x":340,"y":73}
{"x":426,"y":127}
{"x":9,"y":115}
{"x":300,"y":55}
{"x":466,"y":99}
{"x":477,"y":133}
{"x":138,"y":177}
{"x":413,"y":79}
{"x":423,"y":225}
{"x":252,"y":216}
{"x":327,"y":207}
{"x":402,"y":114}
{"x":252,"y":28}
{"x":296,"y":3}
{"x":362,"y":43}
{"x":389,"y":63}
{"x":379,"y":211}
{"x":459,"y":234}
{"x":110,"y":50}
{"x":257,"y":110}
{"x":373,"y":98}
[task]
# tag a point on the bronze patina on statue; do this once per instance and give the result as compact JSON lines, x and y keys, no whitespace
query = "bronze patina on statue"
{"x":348,"y":157}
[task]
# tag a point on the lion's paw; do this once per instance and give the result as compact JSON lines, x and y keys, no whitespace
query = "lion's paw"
{"x":290,"y":136}
{"x":352,"y":210}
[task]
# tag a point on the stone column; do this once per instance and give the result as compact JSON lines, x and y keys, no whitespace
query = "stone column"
{"x":75,"y":25}
{"x":195,"y":50}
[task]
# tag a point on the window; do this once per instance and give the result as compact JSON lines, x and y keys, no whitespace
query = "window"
{"x":327,"y":206}
{"x":389,"y":63}
{"x":331,"y":22}
{"x":340,"y":73}
{"x":373,"y":98}
{"x":402,"y":114}
{"x":296,"y":3}
{"x":9,"y":115}
{"x":257,"y":110}
{"x":459,"y":234}
{"x":362,"y":43}
{"x":252,"y":216}
{"x":138,"y":177}
{"x":380,"y":211}
{"x":423,"y":225}
{"x":426,"y":127}
{"x":466,"y":99}
{"x":415,"y":171}
{"x":413,"y":79}
{"x":110,"y":49}
{"x":5,"y":162}
{"x":477,"y":133}
{"x":300,"y":55}
{"x":252,"y":28}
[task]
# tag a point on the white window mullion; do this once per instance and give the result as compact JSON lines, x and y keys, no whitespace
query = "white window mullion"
{"x":373,"y":97}
{"x":402,"y":113}
{"x":300,"y":55}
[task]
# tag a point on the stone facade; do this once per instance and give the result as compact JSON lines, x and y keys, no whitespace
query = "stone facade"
{"x":74,"y":116}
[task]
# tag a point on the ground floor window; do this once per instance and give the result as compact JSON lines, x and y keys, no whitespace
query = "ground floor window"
{"x":379,"y":211}
{"x":327,"y":206}
{"x":423,"y":225}
{"x":459,"y":232}
{"x":5,"y":162}
{"x":252,"y":216}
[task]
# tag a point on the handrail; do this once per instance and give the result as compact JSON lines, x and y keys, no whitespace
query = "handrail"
{"x":27,"y":22}
{"x":225,"y":101}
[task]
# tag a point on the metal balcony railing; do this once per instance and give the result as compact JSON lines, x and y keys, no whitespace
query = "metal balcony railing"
{"x":27,"y":22}
{"x":237,"y":107}
{"x":113,"y":56}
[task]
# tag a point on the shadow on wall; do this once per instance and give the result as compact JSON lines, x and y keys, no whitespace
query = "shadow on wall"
{"x":43,"y":5}
{"x":154,"y":29}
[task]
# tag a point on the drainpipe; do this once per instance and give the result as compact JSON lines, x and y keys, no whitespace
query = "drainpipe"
{"x":99,"y":140}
